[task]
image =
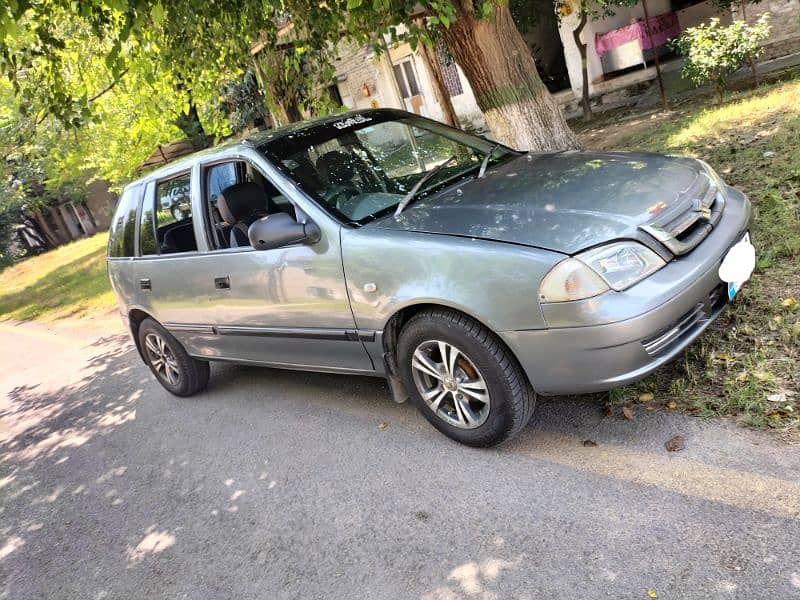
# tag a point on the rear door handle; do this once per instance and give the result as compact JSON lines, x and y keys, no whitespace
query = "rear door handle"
{"x":222,"y":283}
{"x":145,"y":284}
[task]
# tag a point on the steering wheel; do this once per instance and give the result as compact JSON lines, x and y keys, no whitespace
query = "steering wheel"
{"x":339,"y":194}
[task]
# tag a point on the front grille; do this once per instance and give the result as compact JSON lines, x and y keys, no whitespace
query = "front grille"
{"x":668,"y":337}
{"x":683,"y":231}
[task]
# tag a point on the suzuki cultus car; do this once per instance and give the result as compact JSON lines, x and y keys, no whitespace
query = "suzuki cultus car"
{"x":466,"y":273}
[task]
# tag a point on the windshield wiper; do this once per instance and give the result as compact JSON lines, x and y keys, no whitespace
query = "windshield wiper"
{"x":414,"y":190}
{"x":485,"y":163}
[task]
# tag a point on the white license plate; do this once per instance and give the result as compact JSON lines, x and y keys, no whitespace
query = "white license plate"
{"x":738,"y":265}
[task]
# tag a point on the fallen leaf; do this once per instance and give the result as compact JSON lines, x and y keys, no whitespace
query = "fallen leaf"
{"x":675,"y":444}
{"x":672,"y":405}
{"x":627,"y":413}
{"x":609,"y":410}
{"x":776,"y":398}
{"x":383,"y":425}
{"x":652,"y":594}
{"x":646,"y":397}
{"x":589,"y":444}
{"x":789,"y":303}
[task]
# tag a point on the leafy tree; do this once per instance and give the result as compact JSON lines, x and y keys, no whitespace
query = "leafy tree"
{"x":198,"y":41}
{"x":713,"y":51}
{"x":243,"y":103}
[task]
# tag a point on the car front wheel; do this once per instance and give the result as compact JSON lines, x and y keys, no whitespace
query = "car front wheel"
{"x":463,"y":379}
{"x":179,"y":373}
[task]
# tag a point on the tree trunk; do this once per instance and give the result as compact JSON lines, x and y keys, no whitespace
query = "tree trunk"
{"x":191,"y":126}
{"x":431,"y":60}
{"x":576,"y":35}
{"x":293,"y":113}
{"x":751,"y":61}
{"x":499,"y":66}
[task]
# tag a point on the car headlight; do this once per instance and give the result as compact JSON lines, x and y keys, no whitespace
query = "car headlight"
{"x":616,"y":266}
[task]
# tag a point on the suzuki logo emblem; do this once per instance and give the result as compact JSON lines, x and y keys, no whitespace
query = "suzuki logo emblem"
{"x":705,"y":211}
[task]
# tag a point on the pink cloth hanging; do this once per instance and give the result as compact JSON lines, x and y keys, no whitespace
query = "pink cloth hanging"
{"x":663,"y":27}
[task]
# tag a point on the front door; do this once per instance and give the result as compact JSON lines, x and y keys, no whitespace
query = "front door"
{"x":286,"y":306}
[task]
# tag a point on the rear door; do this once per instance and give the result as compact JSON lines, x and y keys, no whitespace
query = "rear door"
{"x":170,"y":271}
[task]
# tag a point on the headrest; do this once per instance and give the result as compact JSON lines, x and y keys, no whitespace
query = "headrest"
{"x":337,"y":167}
{"x":239,"y":201}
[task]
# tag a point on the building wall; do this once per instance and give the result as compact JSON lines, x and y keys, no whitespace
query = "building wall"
{"x":784,"y":35}
{"x":359,"y":66}
{"x":623,"y":16}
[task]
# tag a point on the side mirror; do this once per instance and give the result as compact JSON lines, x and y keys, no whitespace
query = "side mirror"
{"x":275,"y":231}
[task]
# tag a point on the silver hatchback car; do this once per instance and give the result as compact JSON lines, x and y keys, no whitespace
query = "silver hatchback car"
{"x":466,"y":273}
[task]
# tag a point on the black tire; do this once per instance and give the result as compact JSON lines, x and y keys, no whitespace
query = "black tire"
{"x":512,"y":400}
{"x":192,"y":374}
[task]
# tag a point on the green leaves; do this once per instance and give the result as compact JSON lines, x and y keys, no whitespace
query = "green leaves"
{"x":713,"y":51}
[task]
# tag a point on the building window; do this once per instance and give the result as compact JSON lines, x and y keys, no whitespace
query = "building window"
{"x":452,"y":81}
{"x":406,"y":78}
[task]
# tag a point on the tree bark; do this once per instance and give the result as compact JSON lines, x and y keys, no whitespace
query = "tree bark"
{"x":431,"y":60}
{"x":516,"y":104}
{"x":189,"y":123}
{"x":576,"y":35}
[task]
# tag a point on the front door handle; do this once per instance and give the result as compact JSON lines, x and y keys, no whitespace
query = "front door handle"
{"x":145,"y":284}
{"x":222,"y":283}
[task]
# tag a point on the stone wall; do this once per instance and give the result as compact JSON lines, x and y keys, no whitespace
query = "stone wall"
{"x":784,"y":35}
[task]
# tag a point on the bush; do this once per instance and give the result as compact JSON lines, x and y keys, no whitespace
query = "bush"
{"x":712,"y":52}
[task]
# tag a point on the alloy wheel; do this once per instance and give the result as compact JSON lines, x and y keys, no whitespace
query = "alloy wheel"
{"x":162,"y":358}
{"x":450,"y":384}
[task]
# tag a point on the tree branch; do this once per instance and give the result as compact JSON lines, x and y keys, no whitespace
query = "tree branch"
{"x":109,"y":87}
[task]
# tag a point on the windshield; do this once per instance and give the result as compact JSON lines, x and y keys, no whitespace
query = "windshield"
{"x":361,"y":167}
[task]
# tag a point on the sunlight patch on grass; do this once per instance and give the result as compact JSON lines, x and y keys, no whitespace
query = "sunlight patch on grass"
{"x":70,"y":281}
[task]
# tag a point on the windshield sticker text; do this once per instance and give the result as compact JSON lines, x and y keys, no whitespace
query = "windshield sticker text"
{"x":357,"y":120}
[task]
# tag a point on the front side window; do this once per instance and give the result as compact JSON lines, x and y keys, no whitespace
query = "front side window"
{"x":123,"y":226}
{"x":235,"y":195}
{"x":361,"y":167}
{"x":173,"y":206}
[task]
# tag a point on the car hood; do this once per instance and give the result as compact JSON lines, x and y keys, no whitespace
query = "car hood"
{"x":563,"y":202}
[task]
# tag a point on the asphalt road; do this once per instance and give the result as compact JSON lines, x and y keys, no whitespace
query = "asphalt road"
{"x":276,"y":484}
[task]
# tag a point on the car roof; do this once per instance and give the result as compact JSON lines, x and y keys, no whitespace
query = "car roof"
{"x":265,"y":138}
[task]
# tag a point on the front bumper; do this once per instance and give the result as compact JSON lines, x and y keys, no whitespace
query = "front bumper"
{"x":621,"y":349}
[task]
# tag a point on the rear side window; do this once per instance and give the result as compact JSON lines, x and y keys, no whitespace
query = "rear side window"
{"x":123,"y":227}
{"x":174,"y":228}
{"x":148,"y":244}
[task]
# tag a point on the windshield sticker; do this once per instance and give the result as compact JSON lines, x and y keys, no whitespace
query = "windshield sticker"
{"x":357,"y":120}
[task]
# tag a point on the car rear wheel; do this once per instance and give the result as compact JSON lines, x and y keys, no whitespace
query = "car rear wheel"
{"x":179,"y":373}
{"x":463,"y":379}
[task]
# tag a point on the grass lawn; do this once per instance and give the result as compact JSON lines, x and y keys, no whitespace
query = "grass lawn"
{"x":69,"y":281}
{"x":747,"y":364}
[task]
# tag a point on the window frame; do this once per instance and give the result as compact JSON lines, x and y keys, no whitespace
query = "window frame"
{"x":204,"y":168}
{"x":403,"y":66}
{"x":150,"y":188}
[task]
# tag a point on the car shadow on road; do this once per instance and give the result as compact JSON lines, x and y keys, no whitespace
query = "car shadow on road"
{"x":107,"y":463}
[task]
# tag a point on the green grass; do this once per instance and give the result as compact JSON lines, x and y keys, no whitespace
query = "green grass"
{"x":70,"y":281}
{"x":753,"y":351}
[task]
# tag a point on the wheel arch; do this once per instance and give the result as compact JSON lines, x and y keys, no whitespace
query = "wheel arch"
{"x":394,"y":325}
{"x":135,"y":318}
